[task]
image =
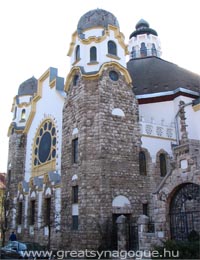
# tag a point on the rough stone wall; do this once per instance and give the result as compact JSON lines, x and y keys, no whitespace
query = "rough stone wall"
{"x":16,"y":159}
{"x":163,"y":195}
{"x":108,"y":157}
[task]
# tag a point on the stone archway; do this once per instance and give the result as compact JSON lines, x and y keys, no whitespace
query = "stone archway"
{"x":185,"y":211}
{"x":121,"y":209}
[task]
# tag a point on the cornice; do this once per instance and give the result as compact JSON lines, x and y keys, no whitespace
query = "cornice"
{"x":117,"y":34}
{"x":74,"y":70}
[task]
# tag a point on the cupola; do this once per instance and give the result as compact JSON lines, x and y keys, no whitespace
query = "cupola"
{"x":96,"y":41}
{"x":144,"y":41}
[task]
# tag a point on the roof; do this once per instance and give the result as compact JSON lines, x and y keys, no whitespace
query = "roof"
{"x":96,"y":17}
{"x":28,"y":87}
{"x":142,"y":27}
{"x":154,"y":75}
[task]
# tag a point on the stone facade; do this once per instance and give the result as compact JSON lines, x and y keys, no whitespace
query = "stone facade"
{"x":16,"y":159}
{"x":108,"y":161}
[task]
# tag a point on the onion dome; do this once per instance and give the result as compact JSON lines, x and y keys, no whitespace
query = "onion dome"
{"x":28,"y":87}
{"x":96,"y":18}
{"x":142,"y":27}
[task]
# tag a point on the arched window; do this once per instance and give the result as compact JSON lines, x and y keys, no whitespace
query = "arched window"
{"x":32,"y":212}
{"x":75,"y":80}
{"x":77,"y":53}
{"x":112,"y":48}
{"x":47,"y":211}
{"x":20,"y":213}
{"x":163,"y":165}
{"x":93,"y":53}
{"x":133,"y":53}
{"x":75,"y":150}
{"x":23,"y":115}
{"x":153,"y":50}
{"x":142,"y":163}
{"x":143,"y":50}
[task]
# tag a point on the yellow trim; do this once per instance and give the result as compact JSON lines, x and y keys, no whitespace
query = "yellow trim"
{"x":36,"y":97}
{"x":92,"y":63}
{"x":52,"y":83}
{"x":196,"y":107}
{"x":19,"y":131}
{"x":72,"y":44}
{"x":42,"y":169}
{"x":74,"y":70}
{"x":24,"y":104}
{"x":16,"y":131}
{"x":117,"y":34}
{"x":76,"y":61}
{"x":113,"y":56}
{"x":13,"y":104}
{"x":9,"y":129}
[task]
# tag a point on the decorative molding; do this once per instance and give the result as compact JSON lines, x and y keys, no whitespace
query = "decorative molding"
{"x":158,"y":131}
{"x":117,"y":34}
{"x":74,"y":70}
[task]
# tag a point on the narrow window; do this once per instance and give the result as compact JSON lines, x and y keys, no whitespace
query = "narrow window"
{"x":163,"y":166}
{"x":112,"y":48}
{"x":75,"y":150}
{"x":19,"y":218}
{"x":9,"y":176}
{"x":143,"y":50}
{"x":15,"y":113}
{"x":75,"y":222}
{"x":153,"y":50}
{"x":47,"y":219}
{"x":32,"y":213}
{"x":75,"y":194}
{"x":23,"y":115}
{"x":142,"y":163}
{"x":77,"y":53}
{"x":145,"y":209}
{"x":93,"y":53}
{"x":133,"y":53}
{"x":75,"y":80}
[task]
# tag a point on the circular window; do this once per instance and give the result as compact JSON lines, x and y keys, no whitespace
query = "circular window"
{"x":113,"y":75}
{"x":45,"y":143}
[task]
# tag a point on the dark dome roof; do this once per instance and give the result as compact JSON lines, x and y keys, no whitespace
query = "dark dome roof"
{"x":154,"y":75}
{"x":28,"y":87}
{"x":142,"y":27}
{"x":142,"y":23}
{"x":96,"y":17}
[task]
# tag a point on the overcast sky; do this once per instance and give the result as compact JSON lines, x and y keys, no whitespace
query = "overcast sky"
{"x":35,"y":35}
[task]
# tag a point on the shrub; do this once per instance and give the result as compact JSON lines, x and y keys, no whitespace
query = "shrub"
{"x":172,"y":249}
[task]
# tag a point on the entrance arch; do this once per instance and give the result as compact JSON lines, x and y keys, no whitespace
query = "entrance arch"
{"x":185,"y":211}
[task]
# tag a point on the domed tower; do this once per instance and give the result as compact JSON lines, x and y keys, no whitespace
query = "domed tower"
{"x":21,"y":109}
{"x":100,"y":134}
{"x":144,"y":41}
{"x":97,"y":40}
